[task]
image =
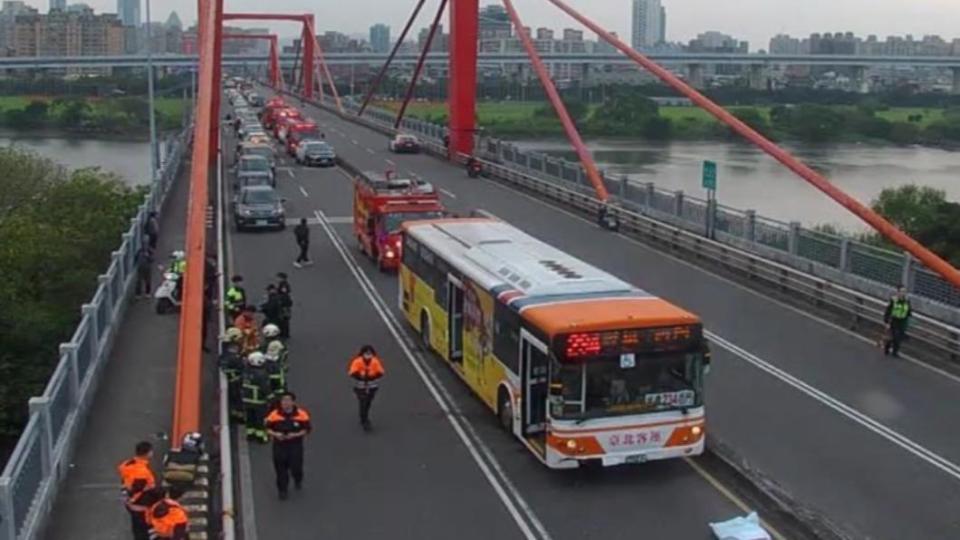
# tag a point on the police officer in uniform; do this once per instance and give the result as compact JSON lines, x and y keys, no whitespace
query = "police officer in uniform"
{"x":896,"y":317}
{"x":287,"y":425}
{"x":235,"y":298}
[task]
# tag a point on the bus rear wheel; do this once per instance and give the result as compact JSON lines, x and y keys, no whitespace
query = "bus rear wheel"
{"x":425,"y":331}
{"x":505,"y":411}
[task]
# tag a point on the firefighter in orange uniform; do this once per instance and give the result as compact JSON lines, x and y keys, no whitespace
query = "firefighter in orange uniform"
{"x":247,"y":323}
{"x":287,"y":425}
{"x":138,"y":484}
{"x":167,"y":519}
{"x":366,"y":371}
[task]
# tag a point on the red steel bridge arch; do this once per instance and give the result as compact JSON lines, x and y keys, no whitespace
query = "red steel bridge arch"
{"x":273,"y":67}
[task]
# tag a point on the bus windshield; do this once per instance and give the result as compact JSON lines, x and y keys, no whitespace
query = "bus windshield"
{"x":614,"y":385}
{"x":393,"y":221}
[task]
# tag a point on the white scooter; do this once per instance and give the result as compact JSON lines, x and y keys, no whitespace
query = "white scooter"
{"x":166,"y":301}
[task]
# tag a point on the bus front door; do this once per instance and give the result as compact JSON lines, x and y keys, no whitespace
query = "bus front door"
{"x":455,"y":319}
{"x":535,"y":378}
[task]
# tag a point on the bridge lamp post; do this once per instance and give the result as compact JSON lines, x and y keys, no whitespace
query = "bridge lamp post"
{"x":154,"y":157}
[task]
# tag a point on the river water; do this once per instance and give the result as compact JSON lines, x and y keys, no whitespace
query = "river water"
{"x":130,"y":159}
{"x":750,"y":179}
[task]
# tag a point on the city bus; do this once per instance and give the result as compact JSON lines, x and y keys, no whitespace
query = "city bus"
{"x":581,"y":366}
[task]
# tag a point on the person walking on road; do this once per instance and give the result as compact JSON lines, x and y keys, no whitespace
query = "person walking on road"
{"x":151,"y":228}
{"x":235,"y":298}
{"x":287,"y":425}
{"x":138,"y":483}
{"x":286,"y":304}
{"x":144,"y":260}
{"x":896,"y":318}
{"x":167,"y":519}
{"x":366,"y":369}
{"x":302,"y":233}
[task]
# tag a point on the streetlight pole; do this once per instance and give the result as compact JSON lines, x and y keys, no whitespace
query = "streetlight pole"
{"x":154,"y":157}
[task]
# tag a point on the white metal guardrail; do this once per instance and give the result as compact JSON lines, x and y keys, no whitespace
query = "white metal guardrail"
{"x":39,"y":463}
{"x":862,"y":308}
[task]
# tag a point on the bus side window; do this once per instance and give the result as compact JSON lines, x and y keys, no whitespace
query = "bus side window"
{"x":411,"y":256}
{"x":506,"y":336}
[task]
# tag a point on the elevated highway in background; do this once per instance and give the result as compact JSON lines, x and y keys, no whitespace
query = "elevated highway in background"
{"x":864,"y":439}
{"x":487,"y":59}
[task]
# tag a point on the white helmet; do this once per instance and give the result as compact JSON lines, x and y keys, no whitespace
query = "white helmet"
{"x":271,"y":330}
{"x":256,"y":359}
{"x":178,"y":255}
{"x":192,"y":442}
{"x":274,"y":350}
{"x":233,"y":334}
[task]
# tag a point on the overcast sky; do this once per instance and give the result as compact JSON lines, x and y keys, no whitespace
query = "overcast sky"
{"x":753,"y":20}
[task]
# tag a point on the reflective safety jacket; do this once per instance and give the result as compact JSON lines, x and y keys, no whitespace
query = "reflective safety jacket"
{"x":898,"y":309}
{"x":137,"y":478}
{"x":280,"y":421}
{"x":235,"y":298}
{"x":168,"y":520}
{"x":278,"y":377}
{"x":178,"y":267}
{"x":366,"y":374}
{"x":256,"y":385}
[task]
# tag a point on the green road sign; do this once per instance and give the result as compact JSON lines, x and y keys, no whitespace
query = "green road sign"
{"x":709,"y":175}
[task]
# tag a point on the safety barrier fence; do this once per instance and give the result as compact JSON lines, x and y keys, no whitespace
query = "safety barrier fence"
{"x":41,"y":457}
{"x":756,"y":260}
{"x":863,"y":267}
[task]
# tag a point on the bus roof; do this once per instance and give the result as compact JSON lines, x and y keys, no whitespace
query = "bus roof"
{"x":552,"y":288}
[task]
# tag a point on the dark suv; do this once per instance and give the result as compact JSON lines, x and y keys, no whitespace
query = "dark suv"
{"x":258,"y":207}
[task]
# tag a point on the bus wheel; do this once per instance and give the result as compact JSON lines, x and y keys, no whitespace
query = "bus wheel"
{"x":425,"y":331}
{"x":505,"y":411}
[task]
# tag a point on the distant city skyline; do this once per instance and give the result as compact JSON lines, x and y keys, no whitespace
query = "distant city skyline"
{"x":756,"y":21}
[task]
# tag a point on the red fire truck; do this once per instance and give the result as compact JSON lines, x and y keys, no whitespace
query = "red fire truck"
{"x":381,"y":203}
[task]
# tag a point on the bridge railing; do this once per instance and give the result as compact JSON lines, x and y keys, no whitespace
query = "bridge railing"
{"x":784,"y":255}
{"x":39,"y":462}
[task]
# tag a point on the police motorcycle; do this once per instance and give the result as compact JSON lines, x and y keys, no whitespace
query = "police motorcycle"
{"x":167,"y":297}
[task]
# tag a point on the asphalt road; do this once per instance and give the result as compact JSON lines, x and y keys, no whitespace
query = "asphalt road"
{"x":869,"y":441}
{"x":434,"y":467}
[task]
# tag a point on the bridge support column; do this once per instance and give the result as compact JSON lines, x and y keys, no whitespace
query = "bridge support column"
{"x":217,"y":75}
{"x":955,"y":89}
{"x":309,"y":53}
{"x":860,"y":81}
{"x":758,"y":77}
{"x":695,"y":75}
{"x":462,"y":103}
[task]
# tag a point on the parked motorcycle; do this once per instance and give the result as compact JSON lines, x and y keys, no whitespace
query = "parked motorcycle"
{"x":166,"y":297}
{"x":474,"y":169}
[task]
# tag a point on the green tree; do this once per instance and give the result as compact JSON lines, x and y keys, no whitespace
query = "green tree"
{"x":626,"y":109}
{"x":815,"y":123}
{"x":56,"y":235}
{"x":577,"y":110}
{"x":911,"y":208}
{"x":904,"y":133}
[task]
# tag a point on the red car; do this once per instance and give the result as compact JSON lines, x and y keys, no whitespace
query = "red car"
{"x":299,"y":132}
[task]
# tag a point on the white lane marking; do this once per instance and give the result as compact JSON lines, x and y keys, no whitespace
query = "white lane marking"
{"x":859,"y":337}
{"x":391,"y":163}
{"x":290,"y":172}
{"x":737,"y":501}
{"x":304,"y":191}
{"x":354,"y":141}
{"x":896,"y":438}
{"x":481,"y":454}
{"x":448,"y":193}
{"x":370,"y":151}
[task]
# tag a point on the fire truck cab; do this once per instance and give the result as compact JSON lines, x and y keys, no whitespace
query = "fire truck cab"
{"x":381,"y":204}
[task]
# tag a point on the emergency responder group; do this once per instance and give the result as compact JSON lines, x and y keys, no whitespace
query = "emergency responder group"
{"x":154,"y":511}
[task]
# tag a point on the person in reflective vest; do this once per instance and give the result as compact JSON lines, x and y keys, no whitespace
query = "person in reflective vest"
{"x":256,"y":395}
{"x":896,"y":317}
{"x":235,"y":297}
{"x":167,"y":519}
{"x":287,"y":425}
{"x":366,"y":369}
{"x":138,"y":482}
{"x":231,"y":362}
{"x":178,"y":266}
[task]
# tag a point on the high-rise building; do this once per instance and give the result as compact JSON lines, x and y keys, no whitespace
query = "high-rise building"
{"x":380,"y":38}
{"x":663,"y":24}
{"x":8,"y":17}
{"x":129,"y":12}
{"x":77,"y":32}
{"x":647,"y":27}
{"x":58,"y":4}
{"x":494,"y":22}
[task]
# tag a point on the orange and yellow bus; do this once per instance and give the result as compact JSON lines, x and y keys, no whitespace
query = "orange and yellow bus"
{"x":578,"y":364}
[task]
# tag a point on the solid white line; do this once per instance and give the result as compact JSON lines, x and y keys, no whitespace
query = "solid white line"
{"x":478,"y":450}
{"x":896,"y":438}
{"x":646,"y":247}
{"x":737,"y":501}
{"x":448,"y":193}
{"x":304,"y":191}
